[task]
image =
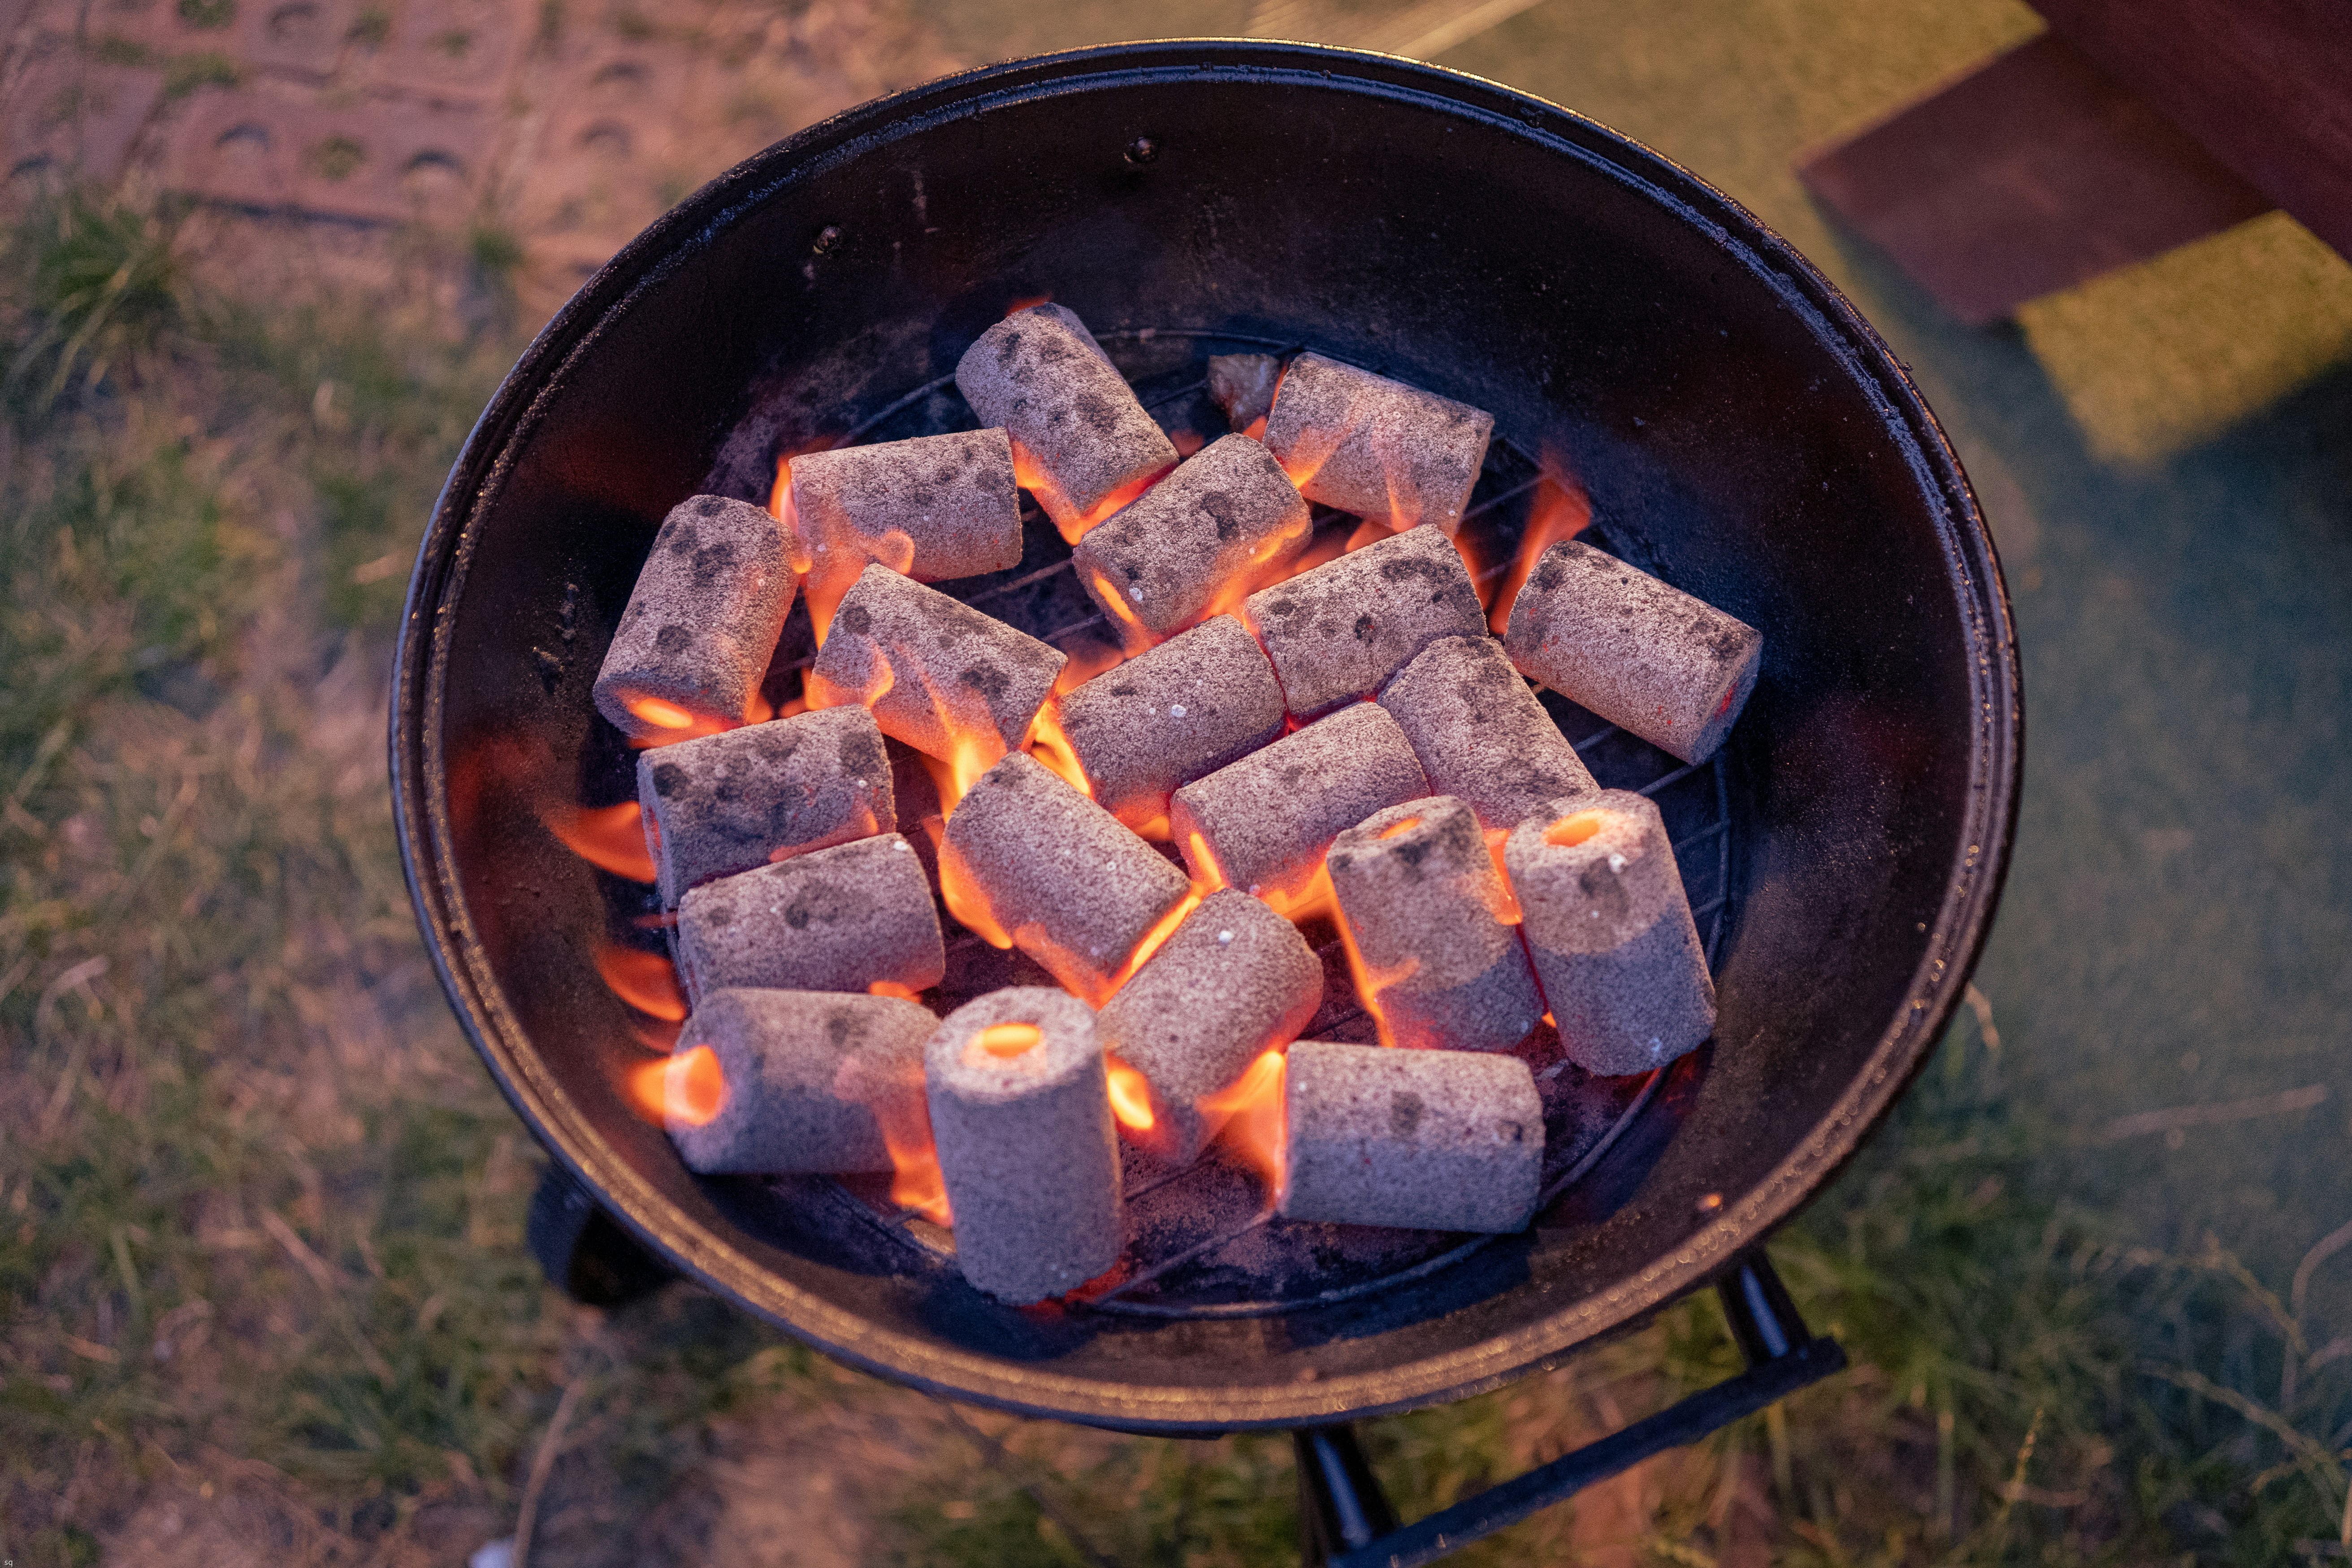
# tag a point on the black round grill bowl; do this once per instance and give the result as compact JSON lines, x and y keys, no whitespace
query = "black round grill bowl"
{"x":1740,"y":429}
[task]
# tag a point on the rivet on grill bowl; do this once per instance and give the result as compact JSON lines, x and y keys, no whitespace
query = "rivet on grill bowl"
{"x":826,"y":238}
{"x":1710,"y":1203}
{"x":1141,"y":151}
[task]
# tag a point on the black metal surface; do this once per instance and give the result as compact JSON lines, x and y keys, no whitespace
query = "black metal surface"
{"x":1341,"y":1507}
{"x":583,"y":1252}
{"x":1782,"y":1357}
{"x":1740,"y":430}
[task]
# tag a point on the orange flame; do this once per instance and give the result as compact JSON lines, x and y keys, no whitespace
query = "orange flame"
{"x":1272,"y":561}
{"x":1561,"y":509}
{"x":1131,"y":1095}
{"x":892,"y":988}
{"x":1372,"y":531}
{"x":966,"y":901}
{"x":672,"y":723}
{"x":1311,"y":898}
{"x":916,"y":1181}
{"x":644,"y":980}
{"x":688,"y":1087}
{"x":1132,"y":631}
{"x":1372,"y":980}
{"x":1251,"y":1106}
{"x":609,"y":837}
{"x":1502,"y":900}
{"x":1073,"y":523}
{"x":1050,"y":744}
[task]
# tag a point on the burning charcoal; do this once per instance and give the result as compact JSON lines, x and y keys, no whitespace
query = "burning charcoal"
{"x":934,"y":507}
{"x":936,"y":672}
{"x":1341,"y":630}
{"x":1644,"y":655}
{"x":1243,"y":385}
{"x":806,"y":1080}
{"x":1429,"y":929}
{"x":1201,"y":699}
{"x":1234,"y":981}
{"x":1263,"y":823}
{"x":1610,"y":927}
{"x":1377,"y":448}
{"x":1440,"y":1140}
{"x":727,"y":802}
{"x":1084,"y":445}
{"x":1021,"y":1113}
{"x":1201,"y":538}
{"x":844,"y":918}
{"x":1029,"y":862}
{"x":701,"y":622}
{"x":1481,"y":734}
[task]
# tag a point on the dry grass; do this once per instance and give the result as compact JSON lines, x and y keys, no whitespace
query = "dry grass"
{"x":264,"y":1293}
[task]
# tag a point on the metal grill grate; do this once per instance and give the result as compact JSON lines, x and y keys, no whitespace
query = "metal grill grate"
{"x":1203,"y":1240}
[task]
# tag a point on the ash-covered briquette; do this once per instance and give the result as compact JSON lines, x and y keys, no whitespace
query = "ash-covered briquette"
{"x":1609,"y":926}
{"x":1424,"y":909}
{"x":1243,"y":385}
{"x":727,"y":802}
{"x":835,"y":919}
{"x":1174,"y":713}
{"x":933,"y":507}
{"x":1480,"y":732}
{"x":1641,"y":654}
{"x":932,"y":669}
{"x":813,"y":1078}
{"x":701,"y":622}
{"x":1070,"y":884}
{"x":1377,"y":448}
{"x":1262,"y":823}
{"x":1232,"y":982}
{"x":1439,"y":1139}
{"x":1158,"y":565}
{"x":1339,"y":631}
{"x":1083,"y":439}
{"x":1021,"y":1116}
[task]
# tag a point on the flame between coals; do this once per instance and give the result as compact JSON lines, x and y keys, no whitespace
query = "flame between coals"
{"x":645,"y":981}
{"x":1501,"y":901}
{"x":609,"y":837}
{"x":1031,"y":476}
{"x":1560,"y":511}
{"x":688,"y":1088}
{"x":1050,"y":744}
{"x":966,"y":901}
{"x":1251,"y":1106}
{"x":1131,"y":1095}
{"x":916,"y":1181}
{"x":1372,"y":980}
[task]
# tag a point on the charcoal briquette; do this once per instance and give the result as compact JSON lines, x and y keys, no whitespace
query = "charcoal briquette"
{"x":701,"y":622}
{"x":1377,"y":448}
{"x":812,"y":1077}
{"x":1174,"y":713}
{"x":842,"y":919}
{"x":932,"y":507}
{"x":1340,"y":630}
{"x":1480,"y":732}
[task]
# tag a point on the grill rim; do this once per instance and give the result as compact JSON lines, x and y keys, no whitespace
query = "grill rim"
{"x":422,"y":812}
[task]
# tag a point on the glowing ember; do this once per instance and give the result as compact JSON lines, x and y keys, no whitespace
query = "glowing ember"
{"x":1130,"y":1096}
{"x":1153,"y":939}
{"x":1251,"y":1106}
{"x":609,"y":837}
{"x":1005,"y":1041}
{"x":644,"y":980}
{"x":892,"y":988}
{"x":1570,"y":831}
{"x":1402,"y":824}
{"x":673,"y":723}
{"x":1561,"y":509}
{"x":1131,"y":629}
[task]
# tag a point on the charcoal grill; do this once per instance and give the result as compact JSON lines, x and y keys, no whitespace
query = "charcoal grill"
{"x":1742,"y":433}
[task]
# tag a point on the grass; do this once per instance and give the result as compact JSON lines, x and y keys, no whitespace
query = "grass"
{"x":260,"y":1213}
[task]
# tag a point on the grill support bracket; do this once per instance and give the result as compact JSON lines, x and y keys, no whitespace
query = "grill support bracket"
{"x":1345,"y":1520}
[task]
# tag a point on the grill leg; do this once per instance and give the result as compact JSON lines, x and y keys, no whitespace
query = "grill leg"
{"x":584,"y":1253}
{"x":1340,"y":1504}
